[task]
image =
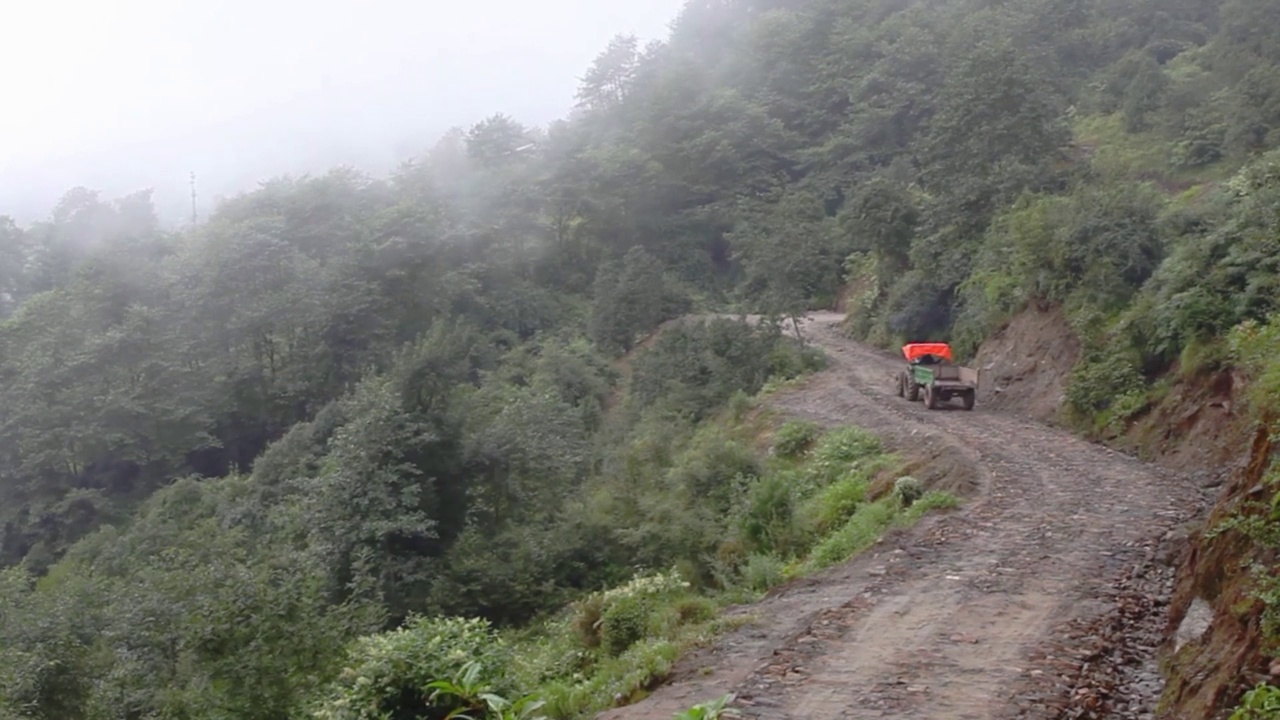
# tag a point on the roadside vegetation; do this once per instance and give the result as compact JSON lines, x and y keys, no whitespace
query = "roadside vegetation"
{"x":796,"y":506}
{"x":1255,"y":516}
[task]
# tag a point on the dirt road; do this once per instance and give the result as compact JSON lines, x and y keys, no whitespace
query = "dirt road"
{"x":1008,"y":608}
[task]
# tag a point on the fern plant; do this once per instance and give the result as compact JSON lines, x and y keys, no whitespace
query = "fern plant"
{"x":470,"y":694}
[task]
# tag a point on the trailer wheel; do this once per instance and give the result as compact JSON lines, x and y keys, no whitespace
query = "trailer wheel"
{"x":930,"y":398}
{"x":969,"y":399}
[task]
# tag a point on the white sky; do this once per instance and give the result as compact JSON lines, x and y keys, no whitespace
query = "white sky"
{"x":129,"y":94}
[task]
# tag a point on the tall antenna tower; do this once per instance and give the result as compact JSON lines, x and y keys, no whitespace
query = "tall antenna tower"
{"x":193,"y":198}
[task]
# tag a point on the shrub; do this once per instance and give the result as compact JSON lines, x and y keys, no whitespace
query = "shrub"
{"x":712,"y":465}
{"x":1253,"y":346}
{"x":839,"y":450}
{"x":698,"y":366}
{"x":616,"y":619}
{"x":763,"y":572}
{"x":694,"y":610}
{"x":787,"y":360}
{"x":835,"y":503}
{"x":388,"y":675}
{"x":739,"y":405}
{"x":623,"y":623}
{"x":471,"y":696}
{"x":908,"y":490}
{"x":1095,"y":383}
{"x":713,"y":469}
{"x":586,"y":620}
{"x":1126,"y":406}
{"x":794,"y":438}
{"x":1202,"y":357}
{"x":768,"y":522}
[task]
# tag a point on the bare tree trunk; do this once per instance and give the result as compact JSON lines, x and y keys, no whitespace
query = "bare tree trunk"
{"x":795,"y":324}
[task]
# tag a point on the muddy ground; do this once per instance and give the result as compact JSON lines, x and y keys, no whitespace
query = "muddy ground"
{"x":1043,"y":597}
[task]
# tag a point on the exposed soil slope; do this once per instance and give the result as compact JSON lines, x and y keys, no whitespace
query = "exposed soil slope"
{"x":1026,"y":364}
{"x":1023,"y":604}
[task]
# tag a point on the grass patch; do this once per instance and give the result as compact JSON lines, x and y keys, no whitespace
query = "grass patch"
{"x":1142,"y":155}
{"x":869,"y":523}
{"x":577,"y":681}
{"x":857,"y":534}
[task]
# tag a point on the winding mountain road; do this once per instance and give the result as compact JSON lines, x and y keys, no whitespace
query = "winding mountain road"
{"x":989,"y":612}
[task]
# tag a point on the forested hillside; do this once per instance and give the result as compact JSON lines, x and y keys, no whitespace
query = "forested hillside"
{"x":344,"y":401}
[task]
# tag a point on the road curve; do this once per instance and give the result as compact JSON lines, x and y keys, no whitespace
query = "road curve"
{"x":956,"y":618}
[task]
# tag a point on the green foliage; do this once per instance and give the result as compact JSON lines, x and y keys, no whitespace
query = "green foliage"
{"x":858,"y":533}
{"x":1260,"y":703}
{"x":794,"y":438}
{"x":832,"y":506}
{"x":908,"y":490}
{"x":471,"y":698}
{"x":869,"y":522}
{"x":616,"y":619}
{"x":713,"y":710}
{"x":613,"y":644}
{"x":763,"y":572}
{"x":791,"y":253}
{"x":697,"y":366}
{"x":1098,"y":246}
{"x":694,"y":610}
{"x":393,"y":675}
{"x":624,"y":622}
{"x":632,"y":301}
{"x":768,"y":521}
{"x":1101,"y":378}
{"x":840,"y":451}
{"x":1256,"y":348}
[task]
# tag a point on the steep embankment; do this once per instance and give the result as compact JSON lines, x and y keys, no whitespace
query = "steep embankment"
{"x":1013,"y":607}
{"x":1213,"y":638}
{"x":1026,"y":364}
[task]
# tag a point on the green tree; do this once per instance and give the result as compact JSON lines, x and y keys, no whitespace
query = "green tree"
{"x":610,"y":77}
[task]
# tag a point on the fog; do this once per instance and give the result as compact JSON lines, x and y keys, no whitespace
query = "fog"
{"x":124,"y":96}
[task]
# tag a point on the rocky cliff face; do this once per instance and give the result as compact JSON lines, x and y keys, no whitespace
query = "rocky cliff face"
{"x":1214,"y":642}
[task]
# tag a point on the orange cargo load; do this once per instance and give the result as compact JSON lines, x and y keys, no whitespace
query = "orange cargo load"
{"x":913,"y":351}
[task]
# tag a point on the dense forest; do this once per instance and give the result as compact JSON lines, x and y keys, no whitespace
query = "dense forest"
{"x":247,"y":467}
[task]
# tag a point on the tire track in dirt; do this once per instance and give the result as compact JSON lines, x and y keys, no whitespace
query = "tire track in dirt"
{"x":956,"y":617}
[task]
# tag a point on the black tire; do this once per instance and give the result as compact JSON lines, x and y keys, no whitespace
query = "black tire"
{"x":969,"y":398}
{"x":902,"y":386}
{"x":930,"y":398}
{"x":913,"y":390}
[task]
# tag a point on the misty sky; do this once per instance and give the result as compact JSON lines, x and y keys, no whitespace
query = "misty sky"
{"x":119,"y":96}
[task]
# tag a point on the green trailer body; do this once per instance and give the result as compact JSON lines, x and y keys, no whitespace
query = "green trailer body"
{"x":932,"y":376}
